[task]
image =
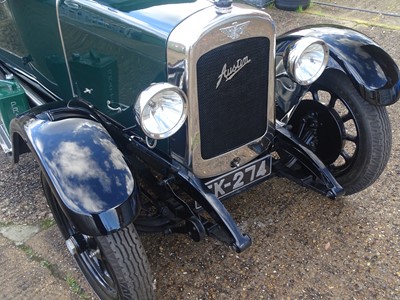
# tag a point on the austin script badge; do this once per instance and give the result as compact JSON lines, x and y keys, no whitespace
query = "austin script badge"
{"x":229,"y":73}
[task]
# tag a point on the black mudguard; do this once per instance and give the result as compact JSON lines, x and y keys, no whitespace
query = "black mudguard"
{"x":86,"y":171}
{"x":372,"y":71}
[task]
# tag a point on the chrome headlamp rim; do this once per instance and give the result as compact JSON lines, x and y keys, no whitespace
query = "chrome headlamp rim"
{"x":294,"y":53}
{"x":147,"y":95}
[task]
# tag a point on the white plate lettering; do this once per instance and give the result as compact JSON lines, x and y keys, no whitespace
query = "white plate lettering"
{"x":239,"y":178}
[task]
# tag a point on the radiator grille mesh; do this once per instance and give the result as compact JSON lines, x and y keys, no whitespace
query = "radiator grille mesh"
{"x":235,"y":113}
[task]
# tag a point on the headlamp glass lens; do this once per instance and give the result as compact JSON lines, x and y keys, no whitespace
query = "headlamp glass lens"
{"x":161,"y":110}
{"x":310,"y":63}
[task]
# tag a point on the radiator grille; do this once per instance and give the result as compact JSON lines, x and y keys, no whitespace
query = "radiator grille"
{"x":235,"y":113}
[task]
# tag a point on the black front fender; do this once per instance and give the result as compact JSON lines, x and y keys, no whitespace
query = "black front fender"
{"x":86,"y":171}
{"x":373,"y":72}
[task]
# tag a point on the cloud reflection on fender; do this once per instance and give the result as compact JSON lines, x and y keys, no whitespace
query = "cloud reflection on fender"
{"x":86,"y":167}
{"x":75,"y":161}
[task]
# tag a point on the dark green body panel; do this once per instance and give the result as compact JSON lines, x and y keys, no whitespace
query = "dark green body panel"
{"x":29,"y":38}
{"x":123,"y":45}
{"x":114,"y":48}
{"x":13,"y":101}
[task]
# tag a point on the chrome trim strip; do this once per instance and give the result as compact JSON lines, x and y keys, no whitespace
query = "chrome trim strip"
{"x":5,"y":141}
{"x":32,"y":95}
{"x":195,"y":36}
{"x":63,"y":48}
{"x":29,"y":91}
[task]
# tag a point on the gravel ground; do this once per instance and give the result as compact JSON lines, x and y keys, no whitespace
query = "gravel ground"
{"x":304,"y":245}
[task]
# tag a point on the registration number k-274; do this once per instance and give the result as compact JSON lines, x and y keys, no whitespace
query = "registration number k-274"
{"x":230,"y":182}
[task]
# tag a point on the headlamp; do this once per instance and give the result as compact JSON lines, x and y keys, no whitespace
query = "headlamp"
{"x":306,"y":59}
{"x":161,"y":110}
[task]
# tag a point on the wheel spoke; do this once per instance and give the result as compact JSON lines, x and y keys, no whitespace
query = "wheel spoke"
{"x":315,"y":95}
{"x":345,"y":155}
{"x":98,"y":265}
{"x":332,"y":101}
{"x":348,"y":148}
{"x":106,"y":274}
{"x":351,"y":138}
{"x":347,"y":117}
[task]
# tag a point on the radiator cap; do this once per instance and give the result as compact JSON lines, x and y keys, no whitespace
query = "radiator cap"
{"x":223,"y":6}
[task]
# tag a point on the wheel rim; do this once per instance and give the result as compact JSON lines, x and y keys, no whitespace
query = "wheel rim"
{"x":93,"y":261}
{"x":343,"y":128}
{"x":90,"y":260}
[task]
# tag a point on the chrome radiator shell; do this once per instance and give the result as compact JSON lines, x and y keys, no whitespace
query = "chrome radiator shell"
{"x":186,"y":45}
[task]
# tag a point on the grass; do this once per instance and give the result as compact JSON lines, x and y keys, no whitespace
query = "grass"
{"x":312,"y":10}
{"x":43,"y":224}
{"x":6,"y":224}
{"x":370,"y":23}
{"x":300,"y":9}
{"x":75,"y":287}
{"x":46,"y":223}
{"x":31,"y":254}
{"x":54,"y":269}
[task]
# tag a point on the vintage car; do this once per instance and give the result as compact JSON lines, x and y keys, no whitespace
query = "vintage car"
{"x":146,"y":115}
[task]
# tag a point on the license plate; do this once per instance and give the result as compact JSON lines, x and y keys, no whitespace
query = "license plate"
{"x":239,"y":178}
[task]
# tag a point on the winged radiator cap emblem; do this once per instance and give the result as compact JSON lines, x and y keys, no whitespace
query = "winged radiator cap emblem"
{"x":236,"y":30}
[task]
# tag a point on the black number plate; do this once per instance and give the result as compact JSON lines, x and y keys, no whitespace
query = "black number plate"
{"x":239,"y":178}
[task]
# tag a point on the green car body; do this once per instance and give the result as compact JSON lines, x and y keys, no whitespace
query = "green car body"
{"x":115,"y":49}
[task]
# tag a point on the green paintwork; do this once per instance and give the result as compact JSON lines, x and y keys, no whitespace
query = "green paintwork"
{"x":132,"y":5}
{"x":131,"y":36}
{"x":13,"y":101}
{"x":114,"y":48}
{"x":104,"y":51}
{"x":30,"y":31}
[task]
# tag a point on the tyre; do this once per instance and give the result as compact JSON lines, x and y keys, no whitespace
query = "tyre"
{"x":292,"y":4}
{"x":350,"y":135}
{"x":115,"y":265}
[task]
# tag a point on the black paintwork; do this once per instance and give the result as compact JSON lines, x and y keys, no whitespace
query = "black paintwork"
{"x":318,"y":178}
{"x":217,"y":210}
{"x":88,"y":174}
{"x":90,"y":160}
{"x":121,"y":208}
{"x":372,"y":71}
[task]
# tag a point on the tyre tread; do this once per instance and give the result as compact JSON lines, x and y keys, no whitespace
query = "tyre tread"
{"x":127,"y":257}
{"x":376,"y":135}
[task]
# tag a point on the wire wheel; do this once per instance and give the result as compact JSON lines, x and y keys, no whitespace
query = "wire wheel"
{"x":115,"y":265}
{"x":351,"y":136}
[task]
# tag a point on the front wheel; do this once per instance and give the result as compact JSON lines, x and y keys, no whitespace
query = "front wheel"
{"x":351,"y":136}
{"x":115,"y":265}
